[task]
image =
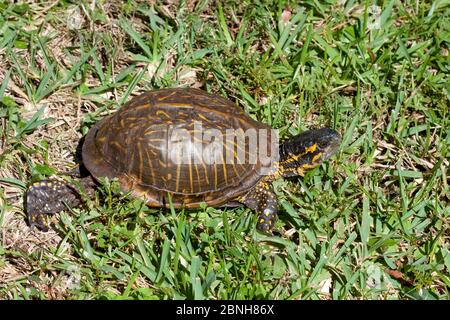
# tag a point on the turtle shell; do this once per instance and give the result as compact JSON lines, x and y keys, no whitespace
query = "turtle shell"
{"x":151,"y":145}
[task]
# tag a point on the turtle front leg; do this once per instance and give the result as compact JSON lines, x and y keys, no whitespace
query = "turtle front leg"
{"x":268,"y":212}
{"x":263,"y":200}
{"x":47,"y":197}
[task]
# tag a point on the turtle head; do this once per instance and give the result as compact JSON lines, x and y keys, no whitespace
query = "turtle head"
{"x":307,"y":150}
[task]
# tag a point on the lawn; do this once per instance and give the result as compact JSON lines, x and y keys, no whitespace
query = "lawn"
{"x":371,"y":223}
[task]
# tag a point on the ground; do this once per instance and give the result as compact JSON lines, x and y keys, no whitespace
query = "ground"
{"x":371,"y":223}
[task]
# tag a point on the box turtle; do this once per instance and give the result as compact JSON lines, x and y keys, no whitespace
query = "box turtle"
{"x":171,"y":142}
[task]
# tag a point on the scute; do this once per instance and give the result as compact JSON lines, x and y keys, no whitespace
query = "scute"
{"x":140,"y":143}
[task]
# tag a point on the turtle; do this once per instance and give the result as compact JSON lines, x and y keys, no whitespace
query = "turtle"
{"x":168,"y":147}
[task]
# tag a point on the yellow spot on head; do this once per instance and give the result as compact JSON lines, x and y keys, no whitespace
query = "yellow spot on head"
{"x":312,"y":148}
{"x":316,"y":157}
{"x":295,"y":157}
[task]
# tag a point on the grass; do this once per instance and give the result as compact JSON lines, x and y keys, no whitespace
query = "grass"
{"x":372,"y":223}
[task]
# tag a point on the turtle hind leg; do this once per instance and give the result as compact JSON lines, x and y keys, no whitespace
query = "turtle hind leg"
{"x":48,"y":197}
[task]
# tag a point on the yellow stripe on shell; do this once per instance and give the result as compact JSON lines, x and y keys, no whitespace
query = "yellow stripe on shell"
{"x":162,"y":98}
{"x":159,"y":112}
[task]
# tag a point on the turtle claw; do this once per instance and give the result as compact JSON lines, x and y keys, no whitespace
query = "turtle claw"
{"x":40,"y":221}
{"x":266,"y":232}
